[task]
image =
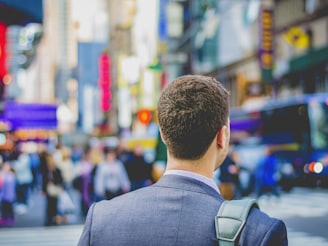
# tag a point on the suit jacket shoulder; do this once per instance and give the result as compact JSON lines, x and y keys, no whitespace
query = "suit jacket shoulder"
{"x":262,"y":230}
{"x":174,"y":211}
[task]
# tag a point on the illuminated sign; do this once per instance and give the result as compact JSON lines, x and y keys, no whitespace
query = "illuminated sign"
{"x":32,"y":134}
{"x":266,"y":39}
{"x":104,"y":82}
{"x":297,"y":37}
{"x":30,"y":115}
{"x":3,"y":69}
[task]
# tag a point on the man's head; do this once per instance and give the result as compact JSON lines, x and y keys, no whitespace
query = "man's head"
{"x":191,"y":111}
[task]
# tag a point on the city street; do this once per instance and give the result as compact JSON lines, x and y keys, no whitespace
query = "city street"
{"x":304,"y":211}
{"x":112,"y":93}
{"x":35,"y":215}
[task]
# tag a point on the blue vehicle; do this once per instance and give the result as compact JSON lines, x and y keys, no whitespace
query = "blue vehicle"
{"x":295,"y":128}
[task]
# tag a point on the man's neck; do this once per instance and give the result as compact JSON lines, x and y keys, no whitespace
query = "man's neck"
{"x":203,"y":166}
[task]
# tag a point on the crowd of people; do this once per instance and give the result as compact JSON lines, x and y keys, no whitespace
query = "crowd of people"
{"x":94,"y":173}
{"x":99,"y":173}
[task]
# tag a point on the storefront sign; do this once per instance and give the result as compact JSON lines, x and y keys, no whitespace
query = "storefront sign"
{"x":297,"y":37}
{"x":30,"y":115}
{"x":266,"y":44}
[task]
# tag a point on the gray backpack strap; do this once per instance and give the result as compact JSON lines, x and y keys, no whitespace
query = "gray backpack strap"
{"x":231,"y":219}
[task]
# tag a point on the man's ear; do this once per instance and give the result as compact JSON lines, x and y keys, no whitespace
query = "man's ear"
{"x":222,"y":138}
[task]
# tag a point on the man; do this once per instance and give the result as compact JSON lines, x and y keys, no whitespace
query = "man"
{"x":179,"y":209}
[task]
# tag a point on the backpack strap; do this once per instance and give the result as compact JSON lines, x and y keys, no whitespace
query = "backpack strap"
{"x":231,"y":219}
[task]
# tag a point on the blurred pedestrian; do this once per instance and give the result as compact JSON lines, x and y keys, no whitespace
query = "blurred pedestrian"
{"x":229,"y":177}
{"x":24,"y":178}
{"x":57,"y":153}
{"x":43,"y":155}
{"x":7,"y":194}
{"x":66,"y":166}
{"x":53,"y":185}
{"x":77,"y":153}
{"x":35,"y":168}
{"x":138,"y":169}
{"x":96,"y":157}
{"x":267,"y":175}
{"x":83,"y":181}
{"x":111,"y":178}
{"x":180,"y":208}
{"x":124,"y":154}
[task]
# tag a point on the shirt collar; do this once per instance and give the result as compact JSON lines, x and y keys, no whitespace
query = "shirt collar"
{"x":201,"y":178}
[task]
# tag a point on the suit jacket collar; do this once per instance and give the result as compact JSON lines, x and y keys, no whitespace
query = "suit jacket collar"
{"x":186,"y":183}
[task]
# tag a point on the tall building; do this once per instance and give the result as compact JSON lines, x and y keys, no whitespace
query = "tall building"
{"x":135,"y":69}
{"x":301,"y":38}
{"x":258,"y":49}
{"x":92,"y":24}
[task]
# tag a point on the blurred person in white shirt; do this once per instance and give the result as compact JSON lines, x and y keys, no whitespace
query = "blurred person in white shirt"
{"x":111,"y":178}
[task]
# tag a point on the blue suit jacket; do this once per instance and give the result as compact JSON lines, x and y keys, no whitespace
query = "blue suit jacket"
{"x":174,"y":211}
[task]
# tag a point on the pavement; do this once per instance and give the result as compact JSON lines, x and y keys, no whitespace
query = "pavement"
{"x":305,"y":213}
{"x":34,"y":216}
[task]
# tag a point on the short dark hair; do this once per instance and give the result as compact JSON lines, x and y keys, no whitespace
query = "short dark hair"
{"x":191,"y":110}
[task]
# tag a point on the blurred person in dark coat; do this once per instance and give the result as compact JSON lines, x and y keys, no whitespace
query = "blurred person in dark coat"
{"x":83,"y":181}
{"x":52,"y":186}
{"x":138,"y":169}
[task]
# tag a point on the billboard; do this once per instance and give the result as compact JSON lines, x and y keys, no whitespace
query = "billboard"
{"x":29,"y":116}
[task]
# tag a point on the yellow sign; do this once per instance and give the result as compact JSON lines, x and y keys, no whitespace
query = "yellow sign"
{"x":297,"y":38}
{"x":266,"y":39}
{"x":146,"y":143}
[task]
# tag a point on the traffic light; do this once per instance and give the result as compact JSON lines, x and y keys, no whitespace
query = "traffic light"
{"x":144,"y":116}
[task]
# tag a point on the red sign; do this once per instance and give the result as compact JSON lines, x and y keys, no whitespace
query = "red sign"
{"x":3,"y":69}
{"x":104,"y":82}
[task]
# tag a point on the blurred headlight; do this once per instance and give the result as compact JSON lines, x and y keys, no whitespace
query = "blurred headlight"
{"x":318,"y":167}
